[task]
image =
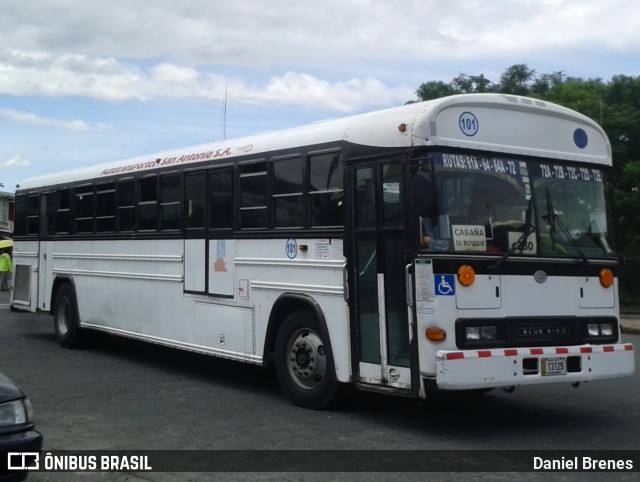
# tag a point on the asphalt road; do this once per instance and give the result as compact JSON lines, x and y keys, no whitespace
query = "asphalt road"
{"x":120,"y":394}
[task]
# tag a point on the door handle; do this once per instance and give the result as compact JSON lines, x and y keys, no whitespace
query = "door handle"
{"x":408,"y":279}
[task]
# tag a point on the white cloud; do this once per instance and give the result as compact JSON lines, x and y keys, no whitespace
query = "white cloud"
{"x":33,"y":119}
{"x":259,"y":34}
{"x":15,"y":162}
{"x":328,"y":54}
{"x":40,"y":73}
{"x":343,"y":96}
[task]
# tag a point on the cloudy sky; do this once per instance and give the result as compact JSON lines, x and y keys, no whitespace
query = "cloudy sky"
{"x":84,"y":82}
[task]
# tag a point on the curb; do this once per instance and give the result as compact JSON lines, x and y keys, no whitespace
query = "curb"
{"x":629,"y":330}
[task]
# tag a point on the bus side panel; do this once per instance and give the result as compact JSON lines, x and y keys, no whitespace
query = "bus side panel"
{"x":312,"y":267}
{"x":162,"y":313}
{"x":136,"y":288}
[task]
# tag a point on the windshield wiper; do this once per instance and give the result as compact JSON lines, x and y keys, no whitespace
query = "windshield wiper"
{"x":520,"y":244}
{"x":601,"y":239}
{"x":604,"y":243}
{"x":552,"y":218}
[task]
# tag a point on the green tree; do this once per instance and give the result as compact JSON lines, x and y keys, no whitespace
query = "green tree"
{"x":622,"y":119}
{"x":434,"y":90}
{"x":546,"y":83}
{"x":471,"y":84}
{"x":517,"y":79}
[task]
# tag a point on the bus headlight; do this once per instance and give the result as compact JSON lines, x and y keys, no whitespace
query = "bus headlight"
{"x":481,"y":333}
{"x":472,"y":333}
{"x":593,"y":329}
{"x":606,"y":329}
{"x":600,"y":329}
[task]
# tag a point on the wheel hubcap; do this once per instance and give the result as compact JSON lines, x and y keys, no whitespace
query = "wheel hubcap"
{"x":307,"y":359}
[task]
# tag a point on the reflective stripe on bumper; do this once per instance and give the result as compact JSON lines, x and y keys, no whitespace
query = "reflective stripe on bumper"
{"x":469,"y":369}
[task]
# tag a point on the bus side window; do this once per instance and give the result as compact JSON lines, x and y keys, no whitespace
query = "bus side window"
{"x":21,"y":215}
{"x":85,"y":213}
{"x":195,"y":199}
{"x":288,"y":193}
{"x":63,"y":212}
{"x":253,"y":195}
{"x":365,"y":198}
{"x":126,"y":191}
{"x":105,"y":208}
{"x":170,"y":202}
{"x":326,"y":194}
{"x":33,"y":216}
{"x":148,"y":203}
{"x":221,"y":199}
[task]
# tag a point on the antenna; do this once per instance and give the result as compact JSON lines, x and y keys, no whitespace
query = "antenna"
{"x":224,"y":112}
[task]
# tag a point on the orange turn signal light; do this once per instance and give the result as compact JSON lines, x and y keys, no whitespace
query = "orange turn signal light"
{"x":435,"y":334}
{"x":466,"y":275}
{"x":606,"y":277}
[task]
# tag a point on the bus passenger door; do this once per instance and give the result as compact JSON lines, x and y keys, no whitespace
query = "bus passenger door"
{"x":45,"y":254}
{"x":377,"y":229}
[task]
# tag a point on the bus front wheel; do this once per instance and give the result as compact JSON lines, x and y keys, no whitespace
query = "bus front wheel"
{"x":65,"y":317}
{"x":304,"y":364}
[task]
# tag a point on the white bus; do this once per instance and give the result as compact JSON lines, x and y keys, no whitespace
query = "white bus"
{"x":457,"y":244}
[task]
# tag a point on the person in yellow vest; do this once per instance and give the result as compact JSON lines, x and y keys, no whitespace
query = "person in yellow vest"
{"x":5,"y":270}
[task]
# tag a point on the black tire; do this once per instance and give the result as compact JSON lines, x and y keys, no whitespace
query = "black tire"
{"x":304,"y":363}
{"x":66,"y":319}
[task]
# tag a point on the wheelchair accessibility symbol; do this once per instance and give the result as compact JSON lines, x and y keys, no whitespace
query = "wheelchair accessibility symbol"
{"x":445,"y":285}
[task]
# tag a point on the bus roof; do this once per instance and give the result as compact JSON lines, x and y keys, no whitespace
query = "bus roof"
{"x":488,"y":122}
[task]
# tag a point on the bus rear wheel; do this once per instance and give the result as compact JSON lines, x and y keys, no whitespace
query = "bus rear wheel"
{"x":65,"y":317}
{"x":304,"y":364}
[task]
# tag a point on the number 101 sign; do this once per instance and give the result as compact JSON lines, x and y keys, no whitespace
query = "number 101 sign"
{"x":468,"y":124}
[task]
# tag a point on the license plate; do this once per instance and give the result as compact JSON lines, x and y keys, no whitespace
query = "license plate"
{"x":554,"y":366}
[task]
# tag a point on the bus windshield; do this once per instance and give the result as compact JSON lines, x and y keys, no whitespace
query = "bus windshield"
{"x":487,"y":204}
{"x":570,"y":210}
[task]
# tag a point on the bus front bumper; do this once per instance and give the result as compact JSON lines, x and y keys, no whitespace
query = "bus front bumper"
{"x":506,"y":367}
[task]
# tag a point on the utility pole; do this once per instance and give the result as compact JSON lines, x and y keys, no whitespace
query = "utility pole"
{"x":224,"y":112}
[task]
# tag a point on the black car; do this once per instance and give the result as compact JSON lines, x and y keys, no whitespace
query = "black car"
{"x":17,"y":430}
